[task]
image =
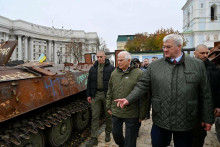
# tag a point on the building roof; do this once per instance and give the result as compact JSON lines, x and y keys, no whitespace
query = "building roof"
{"x":187,"y":2}
{"x":125,"y":37}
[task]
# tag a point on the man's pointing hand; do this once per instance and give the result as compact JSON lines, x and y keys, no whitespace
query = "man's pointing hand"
{"x":121,"y":102}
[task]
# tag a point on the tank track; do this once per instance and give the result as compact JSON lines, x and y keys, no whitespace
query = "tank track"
{"x":14,"y":133}
{"x":79,"y":137}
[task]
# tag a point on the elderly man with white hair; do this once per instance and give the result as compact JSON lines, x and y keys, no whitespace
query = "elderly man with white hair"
{"x":121,"y":83}
{"x":180,"y":93}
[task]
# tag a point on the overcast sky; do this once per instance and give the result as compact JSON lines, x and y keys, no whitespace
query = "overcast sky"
{"x":109,"y":18}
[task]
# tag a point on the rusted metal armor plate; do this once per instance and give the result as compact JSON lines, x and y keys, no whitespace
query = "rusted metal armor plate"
{"x":6,"y":50}
{"x":11,"y":74}
{"x":43,"y":71}
{"x":37,"y":64}
{"x":21,"y":96}
{"x":214,"y":55}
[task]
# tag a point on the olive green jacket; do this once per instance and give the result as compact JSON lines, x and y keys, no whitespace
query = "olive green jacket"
{"x":120,"y":85}
{"x":180,"y":93}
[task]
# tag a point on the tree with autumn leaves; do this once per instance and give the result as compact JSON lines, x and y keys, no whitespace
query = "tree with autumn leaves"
{"x":150,"y":42}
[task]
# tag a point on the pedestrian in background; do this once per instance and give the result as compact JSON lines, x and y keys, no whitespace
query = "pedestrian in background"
{"x":97,"y":87}
{"x":154,"y":59}
{"x":145,"y":64}
{"x":180,"y":92}
{"x":213,"y":74}
{"x":144,"y":68}
{"x":136,"y":63}
{"x":121,"y":83}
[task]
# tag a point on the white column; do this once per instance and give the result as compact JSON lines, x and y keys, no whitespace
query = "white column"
{"x":13,"y":57}
{"x":19,"y":48}
{"x":0,"y":37}
{"x":55,"y":58}
{"x":25,"y":48}
{"x":30,"y":49}
{"x":6,"y":37}
{"x":49,"y":50}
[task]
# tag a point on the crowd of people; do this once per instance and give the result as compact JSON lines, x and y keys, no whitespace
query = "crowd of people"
{"x":183,"y":91}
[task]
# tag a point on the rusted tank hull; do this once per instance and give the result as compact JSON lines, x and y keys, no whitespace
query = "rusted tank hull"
{"x":214,"y":55}
{"x":20,"y":96}
{"x":41,"y":104}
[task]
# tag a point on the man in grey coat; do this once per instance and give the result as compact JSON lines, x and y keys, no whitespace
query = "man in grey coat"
{"x":180,"y":93}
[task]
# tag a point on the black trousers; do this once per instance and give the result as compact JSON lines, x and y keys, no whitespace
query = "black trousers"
{"x":199,"y":135}
{"x":161,"y":137}
{"x":131,"y":129}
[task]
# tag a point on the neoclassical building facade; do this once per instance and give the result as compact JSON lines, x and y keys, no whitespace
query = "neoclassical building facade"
{"x":201,"y":22}
{"x":34,"y":39}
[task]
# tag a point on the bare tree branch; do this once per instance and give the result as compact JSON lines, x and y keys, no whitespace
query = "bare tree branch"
{"x":75,"y":47}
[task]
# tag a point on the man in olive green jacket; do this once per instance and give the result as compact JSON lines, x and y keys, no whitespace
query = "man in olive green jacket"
{"x":180,"y":93}
{"x":121,"y":83}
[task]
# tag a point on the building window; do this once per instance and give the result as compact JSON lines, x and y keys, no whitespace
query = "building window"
{"x":201,"y":5}
{"x":207,"y":38}
{"x":188,"y":19}
{"x":216,"y":37}
{"x":213,"y":12}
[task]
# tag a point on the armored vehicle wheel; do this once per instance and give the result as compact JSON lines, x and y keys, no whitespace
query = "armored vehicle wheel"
{"x":34,"y":140}
{"x":81,"y":119}
{"x":60,"y":133}
{"x":3,"y":144}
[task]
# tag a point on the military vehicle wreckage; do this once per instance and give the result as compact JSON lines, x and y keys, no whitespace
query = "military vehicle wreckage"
{"x":41,"y":103}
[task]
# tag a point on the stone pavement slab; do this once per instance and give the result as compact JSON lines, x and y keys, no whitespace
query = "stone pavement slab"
{"x":144,"y":139}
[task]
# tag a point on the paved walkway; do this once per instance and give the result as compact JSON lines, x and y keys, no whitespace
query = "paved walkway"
{"x":144,"y":139}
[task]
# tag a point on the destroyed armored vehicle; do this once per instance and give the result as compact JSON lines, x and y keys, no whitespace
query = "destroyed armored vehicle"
{"x":41,"y":103}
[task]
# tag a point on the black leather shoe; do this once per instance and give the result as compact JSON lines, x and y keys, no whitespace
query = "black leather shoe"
{"x":93,"y":141}
{"x":148,"y":116}
{"x":107,"y":137}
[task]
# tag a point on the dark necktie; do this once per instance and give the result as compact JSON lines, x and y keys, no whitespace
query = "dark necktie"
{"x":174,"y":61}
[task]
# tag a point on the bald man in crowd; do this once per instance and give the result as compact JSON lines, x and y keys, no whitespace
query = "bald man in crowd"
{"x":213,"y":74}
{"x":97,"y":88}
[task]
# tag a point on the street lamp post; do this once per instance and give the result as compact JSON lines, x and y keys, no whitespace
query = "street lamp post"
{"x":58,"y":55}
